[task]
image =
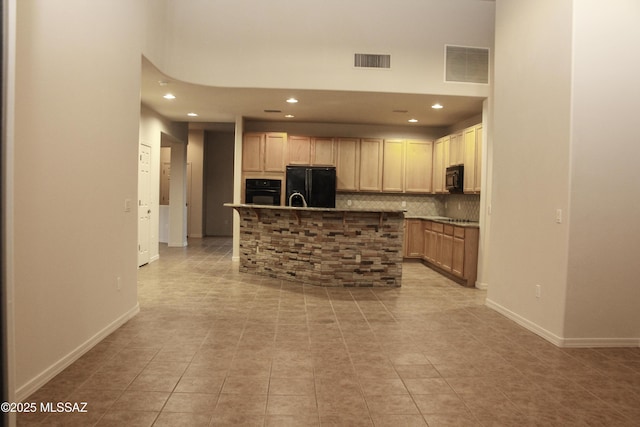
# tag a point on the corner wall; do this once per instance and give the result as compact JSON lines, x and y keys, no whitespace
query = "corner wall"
{"x":603,"y":296}
{"x":531,"y":163}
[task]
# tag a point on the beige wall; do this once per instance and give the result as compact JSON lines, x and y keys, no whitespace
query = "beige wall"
{"x":195,"y":157}
{"x":75,"y":164}
{"x":603,"y":298}
{"x":310,"y":45}
{"x":564,"y":97}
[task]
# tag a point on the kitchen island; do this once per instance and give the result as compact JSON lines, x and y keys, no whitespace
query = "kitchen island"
{"x":322,"y":246}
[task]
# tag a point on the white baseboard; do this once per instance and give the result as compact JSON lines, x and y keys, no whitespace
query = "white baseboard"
{"x":195,"y":236}
{"x":560,"y":341}
{"x":482,"y":286}
{"x":41,"y":379}
{"x":154,"y":258}
{"x":235,"y":258}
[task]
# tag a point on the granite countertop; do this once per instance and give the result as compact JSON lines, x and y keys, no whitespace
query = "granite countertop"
{"x":292,"y":208}
{"x":445,"y":220}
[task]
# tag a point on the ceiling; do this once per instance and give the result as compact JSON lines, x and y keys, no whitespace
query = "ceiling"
{"x":222,"y":105}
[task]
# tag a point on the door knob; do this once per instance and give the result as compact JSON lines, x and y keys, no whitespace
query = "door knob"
{"x":149,"y":211}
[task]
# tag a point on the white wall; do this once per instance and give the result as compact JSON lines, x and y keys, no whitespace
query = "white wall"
{"x":152,"y":126}
{"x":285,"y":44}
{"x":76,"y":144}
{"x":531,"y":148}
{"x":603,"y":296}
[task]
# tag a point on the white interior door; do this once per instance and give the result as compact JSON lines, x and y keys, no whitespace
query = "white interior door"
{"x":144,"y":206}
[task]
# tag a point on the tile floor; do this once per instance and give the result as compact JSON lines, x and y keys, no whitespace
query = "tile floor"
{"x":213,"y":347}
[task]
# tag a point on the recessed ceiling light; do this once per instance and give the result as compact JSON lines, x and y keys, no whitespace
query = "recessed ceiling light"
{"x":292,"y":100}
{"x":192,"y":114}
{"x":289,"y":116}
{"x":169,"y":96}
{"x":163,"y":82}
{"x":437,"y":106}
{"x":413,"y":120}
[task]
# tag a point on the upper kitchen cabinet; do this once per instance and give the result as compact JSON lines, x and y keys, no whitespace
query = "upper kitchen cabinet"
{"x":348,"y":163}
{"x":418,"y":166}
{"x":472,"y":158}
{"x":264,"y":152}
{"x":456,"y":149}
{"x":304,"y":150}
{"x":393,"y":169}
{"x":371,"y":155}
{"x":323,"y":151}
{"x":298,"y":150}
{"x":440,"y":162}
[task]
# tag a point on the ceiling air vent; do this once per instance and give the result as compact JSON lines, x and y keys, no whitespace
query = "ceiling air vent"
{"x":466,"y":64}
{"x":367,"y":60}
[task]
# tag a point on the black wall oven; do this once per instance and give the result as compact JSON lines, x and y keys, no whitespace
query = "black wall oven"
{"x":263,"y":191}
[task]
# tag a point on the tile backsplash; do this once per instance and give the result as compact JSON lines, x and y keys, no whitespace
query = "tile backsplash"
{"x":461,"y":206}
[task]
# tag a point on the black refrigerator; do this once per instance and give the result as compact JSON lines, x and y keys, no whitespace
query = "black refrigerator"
{"x":317,"y":184}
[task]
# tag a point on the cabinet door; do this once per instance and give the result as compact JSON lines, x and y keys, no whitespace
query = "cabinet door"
{"x":252,"y":158}
{"x":415,"y":234}
{"x":299,"y":150}
{"x":457,"y":262}
{"x":393,"y":165}
{"x":478,"y":166}
{"x":418,"y":166}
{"x":469,"y":159}
{"x":347,"y":164}
{"x":323,"y":152}
{"x":432,"y":255}
{"x":438,"y":166}
{"x":446,"y":252}
{"x":456,"y":149}
{"x":274,"y":152}
{"x":370,"y":165}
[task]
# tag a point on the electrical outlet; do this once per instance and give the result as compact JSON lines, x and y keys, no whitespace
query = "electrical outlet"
{"x":538,"y":291}
{"x":358,"y":258}
{"x":119,"y":283}
{"x":349,"y":203}
{"x":404,"y":204}
{"x":559,"y":216}
{"x":459,"y":206}
{"x":127,"y":205}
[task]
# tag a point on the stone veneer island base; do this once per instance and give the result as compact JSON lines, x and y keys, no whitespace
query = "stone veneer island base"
{"x":321,"y":246}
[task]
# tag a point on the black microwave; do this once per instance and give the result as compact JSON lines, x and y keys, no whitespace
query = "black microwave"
{"x":455,"y":179}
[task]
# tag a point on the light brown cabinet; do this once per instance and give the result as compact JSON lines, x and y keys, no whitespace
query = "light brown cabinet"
{"x":348,"y":164}
{"x":414,"y":235}
{"x":418,"y":166}
{"x":448,"y":248}
{"x":298,"y":150}
{"x":264,"y":152}
{"x":472,"y":159}
{"x":393,"y":169}
{"x":323,"y":151}
{"x":456,"y":149}
{"x":304,"y":150}
{"x":440,"y":162}
{"x":370,"y":176}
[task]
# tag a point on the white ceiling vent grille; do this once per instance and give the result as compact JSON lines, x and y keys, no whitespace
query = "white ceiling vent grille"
{"x":466,"y":64}
{"x":367,"y":60}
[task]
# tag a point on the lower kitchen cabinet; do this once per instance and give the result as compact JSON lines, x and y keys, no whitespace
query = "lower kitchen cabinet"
{"x":413,"y":233}
{"x":447,"y":248}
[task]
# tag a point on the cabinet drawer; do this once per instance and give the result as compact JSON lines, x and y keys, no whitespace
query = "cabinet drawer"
{"x":437,"y":227}
{"x":458,"y":232}
{"x":448,"y":230}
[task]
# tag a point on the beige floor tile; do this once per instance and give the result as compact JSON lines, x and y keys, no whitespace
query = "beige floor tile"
{"x":252,"y":350}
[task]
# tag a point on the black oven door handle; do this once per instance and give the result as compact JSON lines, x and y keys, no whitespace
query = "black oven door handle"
{"x":262,"y":191}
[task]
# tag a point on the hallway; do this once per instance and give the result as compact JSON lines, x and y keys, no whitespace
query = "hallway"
{"x":212,"y":346}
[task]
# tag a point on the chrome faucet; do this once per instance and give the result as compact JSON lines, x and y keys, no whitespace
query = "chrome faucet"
{"x":304,"y":202}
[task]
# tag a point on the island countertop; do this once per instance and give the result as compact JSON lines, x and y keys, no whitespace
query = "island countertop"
{"x":295,"y":208}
